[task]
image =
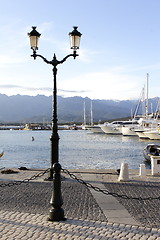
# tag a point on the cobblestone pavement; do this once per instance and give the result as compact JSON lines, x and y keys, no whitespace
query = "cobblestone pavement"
{"x":24,"y":211}
{"x":24,"y":226}
{"x":147,"y":212}
{"x":34,"y":197}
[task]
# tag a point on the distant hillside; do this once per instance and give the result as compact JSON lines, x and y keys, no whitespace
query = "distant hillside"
{"x":22,"y":108}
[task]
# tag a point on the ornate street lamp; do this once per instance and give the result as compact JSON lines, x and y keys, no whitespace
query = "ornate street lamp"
{"x":34,"y":37}
{"x":56,"y":213}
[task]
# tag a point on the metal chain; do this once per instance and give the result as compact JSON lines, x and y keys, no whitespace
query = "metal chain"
{"x":10,"y":184}
{"x":73,"y":176}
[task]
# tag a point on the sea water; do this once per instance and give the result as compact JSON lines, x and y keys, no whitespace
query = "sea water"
{"x":78,"y":149}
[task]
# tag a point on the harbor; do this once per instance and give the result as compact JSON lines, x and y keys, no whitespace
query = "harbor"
{"x":108,"y":205}
{"x":77,"y":149}
{"x":99,"y":202}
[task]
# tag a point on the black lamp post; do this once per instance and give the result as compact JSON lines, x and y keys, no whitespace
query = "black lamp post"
{"x":56,"y":213}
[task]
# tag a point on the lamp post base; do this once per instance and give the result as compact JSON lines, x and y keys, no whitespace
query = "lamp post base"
{"x":56,"y":212}
{"x":56,"y":215}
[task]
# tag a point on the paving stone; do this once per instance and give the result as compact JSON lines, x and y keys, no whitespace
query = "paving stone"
{"x":24,"y":210}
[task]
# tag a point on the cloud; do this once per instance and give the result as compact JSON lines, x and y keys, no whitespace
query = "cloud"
{"x":36,"y":90}
{"x":106,"y":85}
{"x":72,"y":91}
{"x":119,"y":82}
{"x":9,"y":86}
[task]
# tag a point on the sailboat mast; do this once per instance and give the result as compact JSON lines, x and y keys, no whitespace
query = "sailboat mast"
{"x":143,"y":102}
{"x":147,"y":97}
{"x":91,"y":114}
{"x":84,"y":116}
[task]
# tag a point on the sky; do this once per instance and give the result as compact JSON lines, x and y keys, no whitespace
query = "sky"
{"x":120,"y":44}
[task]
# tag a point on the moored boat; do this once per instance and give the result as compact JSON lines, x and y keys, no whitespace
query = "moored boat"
{"x":151,"y":150}
{"x":140,"y":132}
{"x":128,"y":131}
{"x":153,"y":135}
{"x":146,"y":125}
{"x":112,"y":128}
{"x":128,"y":128}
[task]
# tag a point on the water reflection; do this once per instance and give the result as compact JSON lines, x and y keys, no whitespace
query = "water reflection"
{"x":77,"y":149}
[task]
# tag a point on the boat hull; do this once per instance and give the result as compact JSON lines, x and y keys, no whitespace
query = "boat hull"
{"x":153,"y":135}
{"x":151,"y":150}
{"x":128,"y":131}
{"x":110,"y":130}
{"x":140,"y":133}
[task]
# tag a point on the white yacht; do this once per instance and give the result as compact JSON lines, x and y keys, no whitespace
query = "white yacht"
{"x":84,"y":127}
{"x":140,"y":132}
{"x":147,"y":125}
{"x":129,"y":130}
{"x":112,"y":128}
{"x":153,"y":135}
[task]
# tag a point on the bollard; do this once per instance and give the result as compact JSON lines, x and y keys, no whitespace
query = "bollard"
{"x":124,"y":175}
{"x":56,"y":213}
{"x":155,"y":165}
{"x":142,"y":170}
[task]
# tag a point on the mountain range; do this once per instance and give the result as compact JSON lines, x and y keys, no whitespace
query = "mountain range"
{"x":25,"y":109}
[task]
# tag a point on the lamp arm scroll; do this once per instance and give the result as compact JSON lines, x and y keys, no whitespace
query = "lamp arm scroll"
{"x":70,"y":55}
{"x":34,"y":55}
{"x":54,"y":62}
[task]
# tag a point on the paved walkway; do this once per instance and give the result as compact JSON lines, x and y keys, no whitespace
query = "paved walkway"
{"x":17,"y":221}
{"x":15,"y":225}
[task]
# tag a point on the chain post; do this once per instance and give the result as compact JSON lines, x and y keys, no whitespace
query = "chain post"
{"x":56,"y":213}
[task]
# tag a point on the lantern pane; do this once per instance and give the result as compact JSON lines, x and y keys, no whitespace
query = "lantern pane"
{"x":75,"y":36}
{"x":34,"y":36}
{"x":75,"y":42}
{"x":34,"y":42}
